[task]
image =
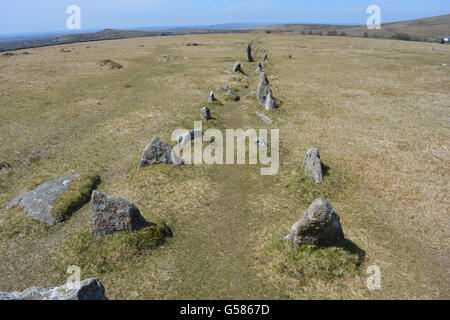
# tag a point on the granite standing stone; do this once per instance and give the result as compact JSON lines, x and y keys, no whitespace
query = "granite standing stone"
{"x":313,"y":165}
{"x":112,"y":214}
{"x":249,"y":53}
{"x":205,"y":113}
{"x":260,"y":68}
{"x":270,"y":102}
{"x":320,"y":225}
{"x":211,"y":97}
{"x":237,"y":67}
{"x":263,"y":89}
{"x":158,"y":151}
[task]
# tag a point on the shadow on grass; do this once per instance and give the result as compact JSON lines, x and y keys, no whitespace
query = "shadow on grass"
{"x":353,"y":248}
{"x":243,"y":72}
{"x":325,"y":170}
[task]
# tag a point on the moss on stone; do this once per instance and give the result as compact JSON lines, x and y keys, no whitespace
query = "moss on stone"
{"x":77,"y":195}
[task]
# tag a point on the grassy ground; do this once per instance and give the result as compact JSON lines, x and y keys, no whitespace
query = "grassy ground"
{"x":377,"y":111}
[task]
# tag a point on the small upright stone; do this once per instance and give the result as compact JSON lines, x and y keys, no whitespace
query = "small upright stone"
{"x":158,"y":151}
{"x":249,"y":53}
{"x":263,"y":89}
{"x":270,"y":102}
{"x":237,"y":67}
{"x":112,"y":214}
{"x":211,"y":97}
{"x":313,"y":164}
{"x":205,"y":114}
{"x":320,"y":225}
{"x":260,"y":68}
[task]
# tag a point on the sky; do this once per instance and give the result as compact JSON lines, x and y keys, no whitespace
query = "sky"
{"x":27,"y":16}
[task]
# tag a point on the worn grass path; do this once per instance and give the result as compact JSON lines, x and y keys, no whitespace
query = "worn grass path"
{"x":214,"y":257}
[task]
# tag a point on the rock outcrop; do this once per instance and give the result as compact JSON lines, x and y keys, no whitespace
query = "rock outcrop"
{"x":38,"y":202}
{"x":320,"y":225}
{"x":89,"y":289}
{"x":313,"y":164}
{"x":112,"y":214}
{"x":158,"y":151}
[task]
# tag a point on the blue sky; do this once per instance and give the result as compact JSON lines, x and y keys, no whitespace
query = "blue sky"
{"x":21,"y":16}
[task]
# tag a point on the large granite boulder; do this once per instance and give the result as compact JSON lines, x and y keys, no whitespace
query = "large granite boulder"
{"x":313,"y":165}
{"x":89,"y":289}
{"x":320,"y":226}
{"x":112,"y":214}
{"x":38,"y":203}
{"x":158,"y":151}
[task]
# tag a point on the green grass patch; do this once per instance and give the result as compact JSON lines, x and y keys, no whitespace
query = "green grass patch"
{"x":101,"y":254}
{"x":292,"y":180}
{"x":307,"y":262}
{"x":215,"y":103}
{"x":77,"y":195}
{"x":15,"y":223}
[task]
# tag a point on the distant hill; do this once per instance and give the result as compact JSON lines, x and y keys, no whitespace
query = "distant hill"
{"x":427,"y":29}
{"x":420,"y":29}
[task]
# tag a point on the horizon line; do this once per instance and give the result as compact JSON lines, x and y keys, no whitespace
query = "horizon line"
{"x":171,"y":27}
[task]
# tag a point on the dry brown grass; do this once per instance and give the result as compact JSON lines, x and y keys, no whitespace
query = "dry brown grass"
{"x":377,"y":110}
